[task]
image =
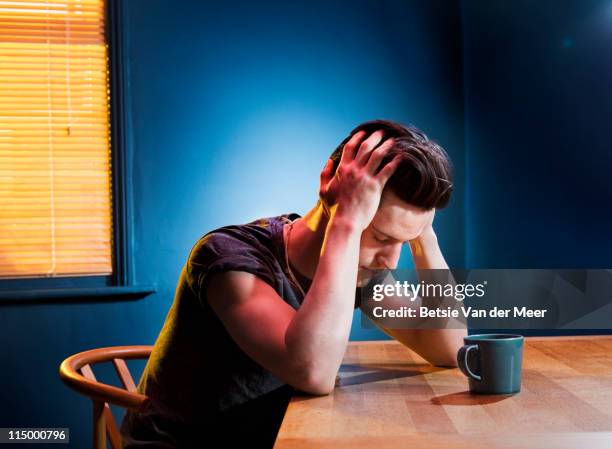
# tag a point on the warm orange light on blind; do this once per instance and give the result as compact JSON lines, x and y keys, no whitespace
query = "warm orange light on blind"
{"x":55,"y":181}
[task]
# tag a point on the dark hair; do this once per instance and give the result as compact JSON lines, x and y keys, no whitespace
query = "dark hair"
{"x":424,"y":176}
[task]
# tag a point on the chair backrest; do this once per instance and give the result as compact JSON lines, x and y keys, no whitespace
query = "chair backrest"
{"x":76,"y":372}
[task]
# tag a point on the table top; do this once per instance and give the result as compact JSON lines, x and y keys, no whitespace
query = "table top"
{"x":389,"y":397}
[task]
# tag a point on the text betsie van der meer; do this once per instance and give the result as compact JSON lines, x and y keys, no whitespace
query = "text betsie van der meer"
{"x":412,"y":291}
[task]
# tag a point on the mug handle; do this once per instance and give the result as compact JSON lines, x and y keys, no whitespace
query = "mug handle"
{"x":462,"y":361}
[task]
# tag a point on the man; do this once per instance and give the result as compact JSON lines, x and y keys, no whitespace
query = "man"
{"x":265,"y":308}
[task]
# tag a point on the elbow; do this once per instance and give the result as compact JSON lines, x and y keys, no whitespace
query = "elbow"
{"x":318,"y":388}
{"x":447,"y":357}
{"x":310,"y":372}
{"x":315,"y":381}
{"x":445,"y":362}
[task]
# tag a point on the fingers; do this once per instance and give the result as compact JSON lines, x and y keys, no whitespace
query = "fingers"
{"x":388,"y":170}
{"x":367,"y":146}
{"x":378,"y":155}
{"x":327,"y":173}
{"x":350,"y":147}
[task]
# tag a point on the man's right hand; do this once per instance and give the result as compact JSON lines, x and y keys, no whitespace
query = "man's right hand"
{"x":355,"y":190}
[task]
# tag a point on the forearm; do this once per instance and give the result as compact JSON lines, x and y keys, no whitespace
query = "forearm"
{"x":438,"y":346}
{"x":426,"y":252}
{"x":318,"y":334}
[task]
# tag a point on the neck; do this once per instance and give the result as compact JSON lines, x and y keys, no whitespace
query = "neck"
{"x":306,"y":240}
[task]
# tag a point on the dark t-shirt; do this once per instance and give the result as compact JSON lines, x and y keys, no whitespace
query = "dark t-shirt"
{"x":201,"y":385}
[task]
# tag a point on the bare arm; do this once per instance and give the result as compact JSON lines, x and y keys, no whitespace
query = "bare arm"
{"x":305,"y":348}
{"x":437,"y":346}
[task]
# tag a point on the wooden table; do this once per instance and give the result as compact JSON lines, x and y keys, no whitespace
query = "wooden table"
{"x":388,"y":397}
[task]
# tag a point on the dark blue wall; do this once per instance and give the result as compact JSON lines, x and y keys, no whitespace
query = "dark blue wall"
{"x":232,"y":112}
{"x":538,"y":89}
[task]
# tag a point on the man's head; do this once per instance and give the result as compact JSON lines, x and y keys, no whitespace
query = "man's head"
{"x":420,"y":184}
{"x":423,"y":178}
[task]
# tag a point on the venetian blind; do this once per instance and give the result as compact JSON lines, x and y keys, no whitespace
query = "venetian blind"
{"x":55,"y":179}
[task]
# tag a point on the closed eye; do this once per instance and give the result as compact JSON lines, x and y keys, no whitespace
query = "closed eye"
{"x":380,"y":239}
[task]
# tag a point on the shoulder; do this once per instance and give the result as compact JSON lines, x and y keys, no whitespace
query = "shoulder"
{"x":250,"y":247}
{"x":236,"y":240}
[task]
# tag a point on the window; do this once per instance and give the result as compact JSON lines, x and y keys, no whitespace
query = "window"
{"x":55,"y":172}
{"x":62,"y":207}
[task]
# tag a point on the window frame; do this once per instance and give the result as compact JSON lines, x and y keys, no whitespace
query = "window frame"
{"x":121,"y":281}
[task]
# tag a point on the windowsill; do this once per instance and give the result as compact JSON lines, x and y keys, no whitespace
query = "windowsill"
{"x":78,"y":294}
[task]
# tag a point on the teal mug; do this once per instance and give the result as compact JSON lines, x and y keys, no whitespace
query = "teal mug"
{"x":492,"y":362}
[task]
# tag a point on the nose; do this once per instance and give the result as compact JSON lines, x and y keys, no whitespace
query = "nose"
{"x":389,"y":256}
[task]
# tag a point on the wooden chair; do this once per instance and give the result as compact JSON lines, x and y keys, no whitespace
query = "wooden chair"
{"x":76,"y":372}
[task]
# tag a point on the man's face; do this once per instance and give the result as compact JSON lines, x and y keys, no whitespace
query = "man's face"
{"x":395,"y":223}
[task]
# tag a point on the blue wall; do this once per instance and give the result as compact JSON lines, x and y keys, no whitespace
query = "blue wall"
{"x":232,"y":112}
{"x":538,"y":89}
{"x":221,"y":100}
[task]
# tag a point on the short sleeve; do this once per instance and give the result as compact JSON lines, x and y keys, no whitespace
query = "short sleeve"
{"x":218,"y":252}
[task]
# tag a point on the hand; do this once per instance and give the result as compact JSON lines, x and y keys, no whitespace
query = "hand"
{"x":428,"y":234}
{"x":355,"y":189}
